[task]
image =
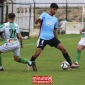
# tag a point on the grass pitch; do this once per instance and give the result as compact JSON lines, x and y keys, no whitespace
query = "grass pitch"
{"x":48,"y":64}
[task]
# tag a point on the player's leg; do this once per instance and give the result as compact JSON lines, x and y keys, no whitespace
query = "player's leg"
{"x":36,"y":54}
{"x":80,"y":47}
{"x":33,"y":58}
{"x":66,"y":55}
{"x":57,"y":44}
{"x":40,"y":46}
{"x":17,"y":58}
{"x":1,"y":68}
{"x":64,"y":52}
{"x":78,"y":53}
{"x":2,"y":50}
{"x":22,"y":60}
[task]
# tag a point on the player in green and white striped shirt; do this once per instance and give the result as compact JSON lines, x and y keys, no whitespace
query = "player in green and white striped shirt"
{"x":80,"y":47}
{"x":11,"y":30}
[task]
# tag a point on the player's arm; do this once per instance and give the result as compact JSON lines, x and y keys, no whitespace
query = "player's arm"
{"x":19,"y":36}
{"x":56,"y":29}
{"x":37,"y":21}
{"x":20,"y":39}
{"x":55,"y":33}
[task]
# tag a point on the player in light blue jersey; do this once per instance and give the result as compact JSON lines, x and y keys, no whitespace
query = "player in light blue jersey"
{"x":11,"y":30}
{"x":80,"y":47}
{"x":47,"y":28}
{"x":48,"y":34}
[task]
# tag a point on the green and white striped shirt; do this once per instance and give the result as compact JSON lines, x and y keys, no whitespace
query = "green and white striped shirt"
{"x":10,"y":30}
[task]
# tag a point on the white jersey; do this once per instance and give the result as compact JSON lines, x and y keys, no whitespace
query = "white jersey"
{"x":10,"y":31}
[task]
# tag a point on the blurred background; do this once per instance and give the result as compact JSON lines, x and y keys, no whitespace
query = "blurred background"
{"x":70,"y":14}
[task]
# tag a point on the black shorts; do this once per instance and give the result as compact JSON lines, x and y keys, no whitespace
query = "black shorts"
{"x":41,"y":43}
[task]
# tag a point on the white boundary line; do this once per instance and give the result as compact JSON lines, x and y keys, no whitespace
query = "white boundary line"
{"x":65,"y":39}
{"x":29,"y":44}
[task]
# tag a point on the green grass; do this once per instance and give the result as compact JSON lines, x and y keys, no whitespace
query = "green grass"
{"x":48,"y":64}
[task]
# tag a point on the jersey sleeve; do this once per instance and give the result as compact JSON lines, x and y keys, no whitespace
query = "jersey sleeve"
{"x":2,"y":27}
{"x":56,"y":24}
{"x":18,"y":30}
{"x":42,"y":16}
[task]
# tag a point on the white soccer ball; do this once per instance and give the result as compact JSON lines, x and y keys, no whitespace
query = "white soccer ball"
{"x":64,"y":65}
{"x":26,"y":37}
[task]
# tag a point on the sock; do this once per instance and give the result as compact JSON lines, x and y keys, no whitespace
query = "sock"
{"x":0,"y":60}
{"x":66,"y":56}
{"x":78,"y":54}
{"x":23,"y":60}
{"x":32,"y":59}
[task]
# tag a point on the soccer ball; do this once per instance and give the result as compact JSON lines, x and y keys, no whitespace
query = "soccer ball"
{"x":64,"y":65}
{"x":26,"y":37}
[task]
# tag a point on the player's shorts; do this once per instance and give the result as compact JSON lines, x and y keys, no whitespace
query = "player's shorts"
{"x":41,"y":43}
{"x":14,"y":47}
{"x":82,"y":41}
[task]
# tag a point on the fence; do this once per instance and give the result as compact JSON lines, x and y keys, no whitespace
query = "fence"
{"x":26,"y":13}
{"x":24,"y":16}
{"x":1,"y":13}
{"x":65,"y":11}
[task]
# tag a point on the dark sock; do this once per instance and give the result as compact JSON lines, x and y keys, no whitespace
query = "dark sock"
{"x":66,"y":56}
{"x":32,"y":59}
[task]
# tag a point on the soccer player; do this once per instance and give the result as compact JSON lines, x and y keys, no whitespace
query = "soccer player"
{"x":48,"y":35}
{"x":11,"y":31}
{"x":80,"y":47}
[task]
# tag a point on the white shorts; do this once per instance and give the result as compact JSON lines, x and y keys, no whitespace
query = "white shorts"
{"x":82,"y":41}
{"x":15,"y":48}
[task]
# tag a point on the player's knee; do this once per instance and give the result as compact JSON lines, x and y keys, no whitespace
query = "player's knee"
{"x":37,"y":53}
{"x":78,"y":48}
{"x":16,"y":59}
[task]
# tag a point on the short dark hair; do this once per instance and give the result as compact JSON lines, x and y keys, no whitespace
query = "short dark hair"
{"x":54,"y":5}
{"x":11,"y":15}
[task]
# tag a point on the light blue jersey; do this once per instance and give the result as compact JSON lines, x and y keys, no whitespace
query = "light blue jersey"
{"x":47,"y":26}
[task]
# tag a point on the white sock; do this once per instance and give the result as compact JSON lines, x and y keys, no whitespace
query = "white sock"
{"x":30,"y":62}
{"x":0,"y":67}
{"x":77,"y":62}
